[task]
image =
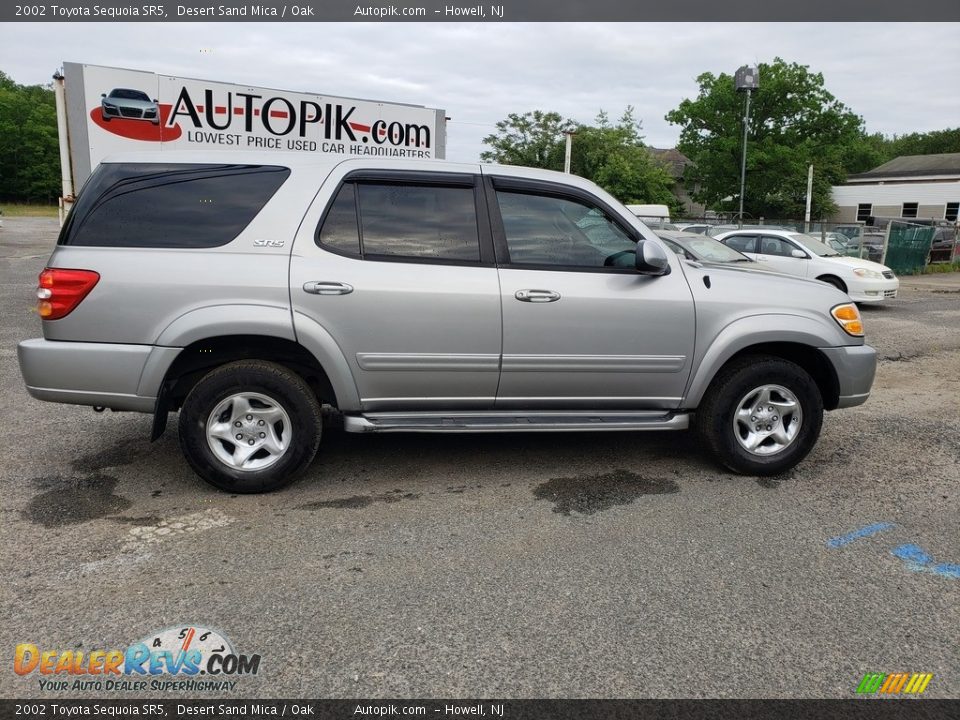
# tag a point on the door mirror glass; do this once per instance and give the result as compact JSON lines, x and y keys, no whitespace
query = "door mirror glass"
{"x":651,"y":259}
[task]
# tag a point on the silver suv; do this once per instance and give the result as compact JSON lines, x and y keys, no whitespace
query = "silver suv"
{"x":246,"y":290}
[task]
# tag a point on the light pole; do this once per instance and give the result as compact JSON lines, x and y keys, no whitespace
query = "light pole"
{"x":747,"y":79}
{"x":566,"y":158}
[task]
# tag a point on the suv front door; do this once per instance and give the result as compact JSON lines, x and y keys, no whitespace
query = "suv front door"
{"x":581,"y":328}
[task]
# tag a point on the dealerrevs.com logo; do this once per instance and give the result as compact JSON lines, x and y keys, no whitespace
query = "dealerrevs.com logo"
{"x":186,"y":658}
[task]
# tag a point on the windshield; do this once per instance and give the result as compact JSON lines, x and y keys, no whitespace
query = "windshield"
{"x":714,"y":251}
{"x":123,"y":94}
{"x":813,"y":245}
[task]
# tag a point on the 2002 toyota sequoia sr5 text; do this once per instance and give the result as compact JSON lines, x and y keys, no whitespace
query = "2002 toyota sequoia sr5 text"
{"x":246,"y":289}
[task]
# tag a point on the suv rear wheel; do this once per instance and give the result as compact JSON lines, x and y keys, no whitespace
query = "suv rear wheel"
{"x":250,"y":426}
{"x":761,"y":415}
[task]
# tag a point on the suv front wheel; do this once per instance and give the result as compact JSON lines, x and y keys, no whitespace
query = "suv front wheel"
{"x":250,"y":426}
{"x":761,"y":415}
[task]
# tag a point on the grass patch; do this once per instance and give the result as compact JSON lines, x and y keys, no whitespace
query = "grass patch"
{"x":934,"y":268}
{"x":28,"y":210}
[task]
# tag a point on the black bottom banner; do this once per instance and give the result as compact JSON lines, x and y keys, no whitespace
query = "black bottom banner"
{"x":865,"y":709}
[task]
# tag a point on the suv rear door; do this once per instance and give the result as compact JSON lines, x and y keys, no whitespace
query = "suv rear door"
{"x":581,"y":328}
{"x":398,"y":267}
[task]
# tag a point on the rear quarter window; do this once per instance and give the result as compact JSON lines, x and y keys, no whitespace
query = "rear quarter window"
{"x":169,"y":205}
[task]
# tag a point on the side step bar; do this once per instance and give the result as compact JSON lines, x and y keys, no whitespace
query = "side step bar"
{"x":499,"y":421}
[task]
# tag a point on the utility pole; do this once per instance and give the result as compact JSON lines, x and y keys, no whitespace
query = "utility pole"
{"x":806,"y":217}
{"x":745,"y":79}
{"x":566,"y":157}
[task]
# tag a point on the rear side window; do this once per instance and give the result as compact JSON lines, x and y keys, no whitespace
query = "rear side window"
{"x":169,"y":205}
{"x":403,"y":221}
{"x":743,"y":243}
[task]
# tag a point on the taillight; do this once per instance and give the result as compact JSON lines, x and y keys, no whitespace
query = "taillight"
{"x":60,"y":291}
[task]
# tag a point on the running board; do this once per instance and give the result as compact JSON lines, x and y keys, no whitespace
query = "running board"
{"x":498,"y":421}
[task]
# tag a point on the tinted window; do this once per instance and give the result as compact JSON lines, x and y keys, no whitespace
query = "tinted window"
{"x":339,"y":229}
{"x":546,"y":230}
{"x":418,"y":221}
{"x":743,"y":243}
{"x":170,"y":206}
{"x":775,"y":246}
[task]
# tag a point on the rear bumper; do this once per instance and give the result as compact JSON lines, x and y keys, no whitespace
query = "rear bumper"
{"x":120,"y":377}
{"x":855,"y":366}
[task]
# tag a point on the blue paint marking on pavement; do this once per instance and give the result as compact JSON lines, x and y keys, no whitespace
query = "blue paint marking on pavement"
{"x":912,"y":555}
{"x":916,"y":559}
{"x":857,"y":534}
{"x":948,"y":570}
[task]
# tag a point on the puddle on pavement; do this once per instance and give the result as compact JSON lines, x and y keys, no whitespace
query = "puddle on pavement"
{"x":588,"y":494}
{"x":114,"y":457}
{"x":72,"y":500}
{"x":355,"y":502}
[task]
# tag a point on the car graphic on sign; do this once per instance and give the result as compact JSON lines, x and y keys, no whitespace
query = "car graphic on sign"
{"x":127,"y":104}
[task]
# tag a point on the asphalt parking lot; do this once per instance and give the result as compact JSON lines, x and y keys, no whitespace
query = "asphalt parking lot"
{"x":556,"y":565}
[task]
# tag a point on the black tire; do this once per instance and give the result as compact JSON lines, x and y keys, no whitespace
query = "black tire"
{"x":275,"y":383}
{"x":835,"y":281}
{"x":734,"y":384}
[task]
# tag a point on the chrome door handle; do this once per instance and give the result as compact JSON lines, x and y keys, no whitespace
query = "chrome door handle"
{"x":322,"y":287}
{"x":537,"y":296}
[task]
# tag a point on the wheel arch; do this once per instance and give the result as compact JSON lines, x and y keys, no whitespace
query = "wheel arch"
{"x":797,"y":340}
{"x":201,"y":356}
{"x":834,"y":280}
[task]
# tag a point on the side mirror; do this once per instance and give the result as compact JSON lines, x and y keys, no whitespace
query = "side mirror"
{"x":103,"y":94}
{"x":651,"y":259}
{"x":798,"y":254}
{"x":155,"y":100}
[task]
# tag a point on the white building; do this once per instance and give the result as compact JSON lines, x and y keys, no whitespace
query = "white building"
{"x":911,"y":186}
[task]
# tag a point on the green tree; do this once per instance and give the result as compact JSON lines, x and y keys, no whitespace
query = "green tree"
{"x":535,"y":139}
{"x":794,"y":121}
{"x":616,"y":159}
{"x":29,"y":150}
{"x":937,"y":141}
{"x":613,"y":156}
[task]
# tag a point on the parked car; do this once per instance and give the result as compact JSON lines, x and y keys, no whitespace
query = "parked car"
{"x":417,"y":296}
{"x":129,"y":105}
{"x":945,"y":245}
{"x":698,"y":228}
{"x":794,"y":253}
{"x":703,"y":249}
{"x":716,"y":230}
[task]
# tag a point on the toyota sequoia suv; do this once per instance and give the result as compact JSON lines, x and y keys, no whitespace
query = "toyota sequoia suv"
{"x":246,"y":290}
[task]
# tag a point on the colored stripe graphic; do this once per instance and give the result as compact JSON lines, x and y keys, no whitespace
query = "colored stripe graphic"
{"x":857,"y":534}
{"x":894,"y":683}
{"x":871,"y":683}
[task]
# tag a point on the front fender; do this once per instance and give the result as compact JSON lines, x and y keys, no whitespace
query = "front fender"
{"x":753,"y":330}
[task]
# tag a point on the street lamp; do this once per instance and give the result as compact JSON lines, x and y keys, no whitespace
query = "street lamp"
{"x":747,"y":79}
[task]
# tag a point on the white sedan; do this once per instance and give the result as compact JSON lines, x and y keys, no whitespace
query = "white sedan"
{"x":794,"y":253}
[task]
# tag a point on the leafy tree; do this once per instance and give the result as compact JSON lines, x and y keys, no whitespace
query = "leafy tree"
{"x":794,"y":121}
{"x":938,"y":141}
{"x":613,"y":156}
{"x":535,"y":139}
{"x":29,"y":149}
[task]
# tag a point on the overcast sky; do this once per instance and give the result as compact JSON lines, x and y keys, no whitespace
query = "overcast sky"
{"x":900,"y":78}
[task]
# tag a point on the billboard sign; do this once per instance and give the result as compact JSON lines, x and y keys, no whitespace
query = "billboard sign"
{"x":113,"y":110}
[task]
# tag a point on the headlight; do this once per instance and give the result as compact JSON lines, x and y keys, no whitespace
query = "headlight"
{"x":109,"y":106}
{"x":865,"y":273}
{"x":848,"y":316}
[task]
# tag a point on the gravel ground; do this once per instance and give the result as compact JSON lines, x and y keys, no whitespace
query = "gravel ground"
{"x":557,"y":565}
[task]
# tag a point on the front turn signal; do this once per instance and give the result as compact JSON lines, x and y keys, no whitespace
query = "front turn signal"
{"x":848,"y":315}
